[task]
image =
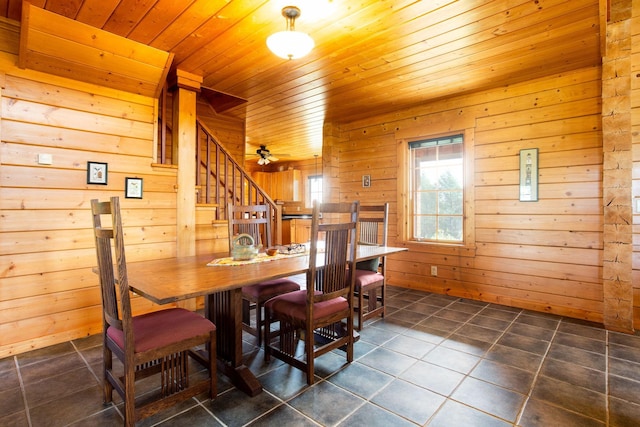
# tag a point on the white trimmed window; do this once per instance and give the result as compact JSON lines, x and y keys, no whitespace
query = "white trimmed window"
{"x":437,"y":189}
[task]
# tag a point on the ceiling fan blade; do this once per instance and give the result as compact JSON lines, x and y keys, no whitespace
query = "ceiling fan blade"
{"x":273,"y":158}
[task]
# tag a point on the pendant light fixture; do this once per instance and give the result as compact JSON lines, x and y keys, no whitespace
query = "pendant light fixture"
{"x":290,"y":44}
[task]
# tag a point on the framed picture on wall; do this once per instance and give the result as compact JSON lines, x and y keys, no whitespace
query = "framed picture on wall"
{"x":529,"y":175}
{"x":133,"y":188}
{"x":366,"y":181}
{"x":96,"y":173}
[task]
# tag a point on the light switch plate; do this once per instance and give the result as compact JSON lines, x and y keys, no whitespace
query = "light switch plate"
{"x":45,"y":159}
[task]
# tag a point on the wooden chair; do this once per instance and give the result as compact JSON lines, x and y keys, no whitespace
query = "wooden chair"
{"x":321,"y":315}
{"x":256,"y":220}
{"x":154,"y":343}
{"x":370,"y":284}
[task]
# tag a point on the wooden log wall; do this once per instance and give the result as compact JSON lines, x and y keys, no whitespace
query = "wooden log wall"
{"x":228,"y":130}
{"x":634,"y":89}
{"x":545,"y":255}
{"x":48,"y":292}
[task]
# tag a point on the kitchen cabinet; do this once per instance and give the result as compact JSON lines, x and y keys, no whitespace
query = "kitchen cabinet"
{"x":300,"y":230}
{"x":281,"y":185}
{"x":297,"y":230}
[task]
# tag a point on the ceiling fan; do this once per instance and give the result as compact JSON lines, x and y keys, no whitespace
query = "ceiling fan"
{"x":265,"y":156}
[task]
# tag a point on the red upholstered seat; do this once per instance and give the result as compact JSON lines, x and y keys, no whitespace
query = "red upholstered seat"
{"x":270,"y":288}
{"x":294,"y":305}
{"x":162,"y":328}
{"x":367,"y":277}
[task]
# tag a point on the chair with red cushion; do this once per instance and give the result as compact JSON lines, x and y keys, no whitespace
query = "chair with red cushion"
{"x":370,"y":285}
{"x":255,"y":220}
{"x":321,"y":315}
{"x":159,"y":343}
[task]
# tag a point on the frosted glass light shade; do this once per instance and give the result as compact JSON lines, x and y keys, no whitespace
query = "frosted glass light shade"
{"x":290,"y":44}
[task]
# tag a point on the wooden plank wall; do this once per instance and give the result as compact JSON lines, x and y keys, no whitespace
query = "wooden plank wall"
{"x":47,"y":247}
{"x":48,"y":293}
{"x":544,"y":255}
{"x":228,"y":130}
{"x":635,"y":138}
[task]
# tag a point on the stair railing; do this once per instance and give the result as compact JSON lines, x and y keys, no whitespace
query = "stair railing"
{"x":220,"y":179}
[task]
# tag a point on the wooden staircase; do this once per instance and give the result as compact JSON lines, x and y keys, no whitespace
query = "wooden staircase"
{"x":220,"y":179}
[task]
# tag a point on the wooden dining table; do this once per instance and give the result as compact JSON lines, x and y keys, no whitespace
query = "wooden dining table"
{"x":169,"y":280}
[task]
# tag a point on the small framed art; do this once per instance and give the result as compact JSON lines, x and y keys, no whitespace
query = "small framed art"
{"x":133,"y":188}
{"x":366,"y":181}
{"x":529,"y":175}
{"x":96,"y":173}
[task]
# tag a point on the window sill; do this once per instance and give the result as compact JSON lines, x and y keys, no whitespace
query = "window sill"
{"x":452,"y":249}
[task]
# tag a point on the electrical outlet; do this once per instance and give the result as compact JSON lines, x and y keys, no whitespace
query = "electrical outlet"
{"x":434,"y":270}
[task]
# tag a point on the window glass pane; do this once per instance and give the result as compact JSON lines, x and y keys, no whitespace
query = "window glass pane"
{"x":450,"y":177}
{"x":315,"y":189}
{"x":451,"y":151}
{"x":450,"y":227}
{"x":450,"y":203}
{"x":427,"y":154}
{"x":425,"y":227}
{"x":427,"y":202}
{"x":427,"y":179}
{"x":437,"y":185}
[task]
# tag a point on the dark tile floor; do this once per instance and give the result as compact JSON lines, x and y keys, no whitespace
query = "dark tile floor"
{"x":434,"y":360}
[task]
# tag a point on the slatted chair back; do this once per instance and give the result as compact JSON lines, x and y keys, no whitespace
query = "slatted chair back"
{"x":374,"y":225}
{"x":324,"y":312}
{"x":254,"y":220}
{"x":370,"y":285}
{"x":113,"y":281}
{"x":330,"y":278}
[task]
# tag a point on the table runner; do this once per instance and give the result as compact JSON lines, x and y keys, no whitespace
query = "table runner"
{"x":261,"y":257}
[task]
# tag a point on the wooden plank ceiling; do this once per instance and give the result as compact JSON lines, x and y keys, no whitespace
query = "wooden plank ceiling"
{"x":371,"y":56}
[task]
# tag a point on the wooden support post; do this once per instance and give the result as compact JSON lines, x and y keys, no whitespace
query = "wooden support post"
{"x":617,"y":263}
{"x":183,"y":148}
{"x":186,"y":86}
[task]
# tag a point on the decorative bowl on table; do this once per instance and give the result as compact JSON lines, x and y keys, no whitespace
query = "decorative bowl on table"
{"x":272,"y":251}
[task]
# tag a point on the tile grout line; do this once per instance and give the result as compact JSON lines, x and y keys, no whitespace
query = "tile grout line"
{"x":449,"y":334}
{"x":100,"y":381}
{"x":480,"y":359}
{"x":73,"y":344}
{"x":607,"y":416}
{"x":396,"y":377}
{"x":537,"y":374}
{"x":24,"y":392}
